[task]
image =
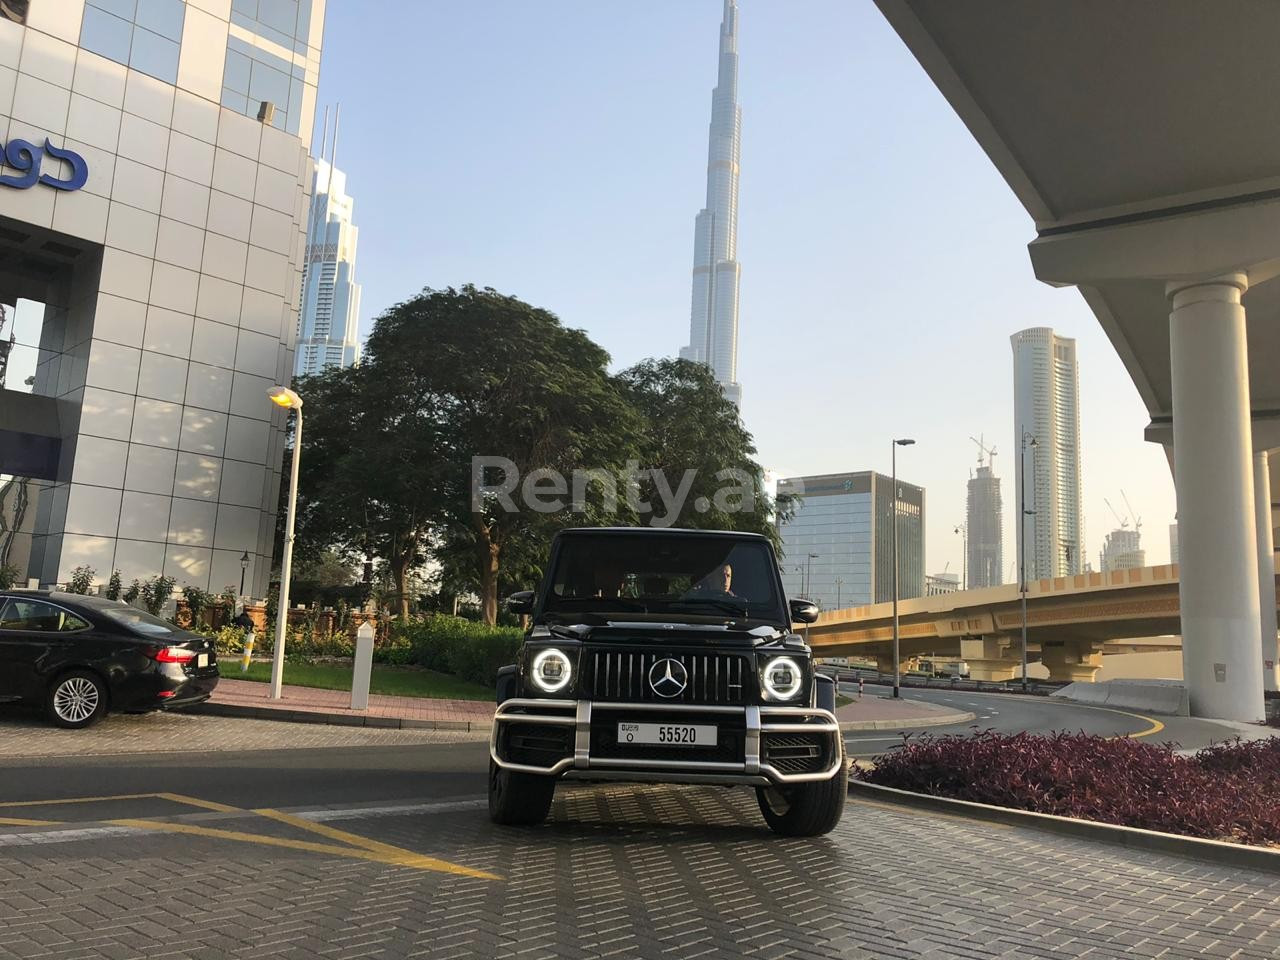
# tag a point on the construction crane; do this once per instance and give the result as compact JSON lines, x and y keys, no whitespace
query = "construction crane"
{"x":984,"y":451}
{"x":1124,"y":523}
{"x":1137,"y":520}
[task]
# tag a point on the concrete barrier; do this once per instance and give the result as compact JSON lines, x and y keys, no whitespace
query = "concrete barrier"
{"x":1167,"y":697}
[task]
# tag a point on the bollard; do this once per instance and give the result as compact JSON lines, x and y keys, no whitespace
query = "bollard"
{"x":363,"y":667}
{"x":859,"y":686}
{"x":247,"y":657}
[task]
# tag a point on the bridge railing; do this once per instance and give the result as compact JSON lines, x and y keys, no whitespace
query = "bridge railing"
{"x":1040,"y":688}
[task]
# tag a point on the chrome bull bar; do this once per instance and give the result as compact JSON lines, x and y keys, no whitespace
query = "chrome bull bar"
{"x":753,"y":769}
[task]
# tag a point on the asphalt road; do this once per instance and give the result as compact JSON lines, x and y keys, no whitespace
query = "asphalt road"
{"x":369,"y":848}
{"x":1015,"y":713}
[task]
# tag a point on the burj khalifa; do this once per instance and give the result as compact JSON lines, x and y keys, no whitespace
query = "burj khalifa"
{"x":713,"y":319}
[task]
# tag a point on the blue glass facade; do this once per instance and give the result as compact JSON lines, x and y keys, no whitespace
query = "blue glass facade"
{"x":143,"y":34}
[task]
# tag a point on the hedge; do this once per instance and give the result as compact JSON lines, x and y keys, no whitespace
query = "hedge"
{"x":1230,"y":791}
{"x":469,"y":650}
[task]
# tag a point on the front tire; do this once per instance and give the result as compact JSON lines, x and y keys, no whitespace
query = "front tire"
{"x":519,"y":799}
{"x":76,"y":700}
{"x":805,"y":809}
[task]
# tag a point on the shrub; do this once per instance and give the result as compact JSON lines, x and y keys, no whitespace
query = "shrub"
{"x":1227,"y":792}
{"x":114,"y":586}
{"x":81,"y":581}
{"x":471,"y":651}
{"x":155,"y":593}
{"x":132,"y":593}
{"x":197,"y":602}
{"x":8,"y":576}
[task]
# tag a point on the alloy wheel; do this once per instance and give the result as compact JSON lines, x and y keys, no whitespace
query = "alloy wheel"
{"x":76,"y":699}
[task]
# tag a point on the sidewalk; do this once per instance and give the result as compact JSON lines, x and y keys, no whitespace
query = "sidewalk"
{"x":877,"y":712}
{"x":247,"y":698}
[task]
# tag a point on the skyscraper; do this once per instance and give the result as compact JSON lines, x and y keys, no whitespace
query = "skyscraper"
{"x":1046,"y":388}
{"x":328,"y":325}
{"x":713,"y":319}
{"x":838,"y":547}
{"x":1122,"y":550}
{"x":984,"y":521}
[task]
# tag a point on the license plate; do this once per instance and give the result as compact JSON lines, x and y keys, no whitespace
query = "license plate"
{"x":668,"y":734}
{"x":202,"y":660}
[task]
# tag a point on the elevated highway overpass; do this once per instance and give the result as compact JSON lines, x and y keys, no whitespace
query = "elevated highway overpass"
{"x":1140,"y":139}
{"x":1072,"y":622}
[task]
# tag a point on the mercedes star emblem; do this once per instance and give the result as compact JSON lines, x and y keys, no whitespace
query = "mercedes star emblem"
{"x":668,"y":678}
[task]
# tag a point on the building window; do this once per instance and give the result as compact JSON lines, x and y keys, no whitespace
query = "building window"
{"x":143,"y":34}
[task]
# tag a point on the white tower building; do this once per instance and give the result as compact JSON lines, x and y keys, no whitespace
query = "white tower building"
{"x":713,"y":321}
{"x":328,"y":325}
{"x":1046,"y":387}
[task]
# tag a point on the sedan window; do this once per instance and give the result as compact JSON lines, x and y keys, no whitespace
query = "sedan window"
{"x":39,"y":617}
{"x":142,"y":623}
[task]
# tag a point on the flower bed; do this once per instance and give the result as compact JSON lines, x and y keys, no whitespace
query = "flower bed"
{"x":1226,"y":792}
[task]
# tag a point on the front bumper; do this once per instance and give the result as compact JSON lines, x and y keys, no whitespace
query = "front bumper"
{"x":760,"y":745}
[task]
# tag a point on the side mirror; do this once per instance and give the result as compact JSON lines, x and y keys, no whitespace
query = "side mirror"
{"x":520,"y":602}
{"x":803,"y":611}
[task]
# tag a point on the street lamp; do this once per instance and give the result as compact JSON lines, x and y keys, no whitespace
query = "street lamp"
{"x":244,"y":566}
{"x":839,"y":584}
{"x":963,"y":530}
{"x":284,"y":397}
{"x":896,"y":445}
{"x":1028,"y":440}
{"x":808,"y":577}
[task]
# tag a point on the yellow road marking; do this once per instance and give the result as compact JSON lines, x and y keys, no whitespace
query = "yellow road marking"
{"x":1156,"y":725}
{"x":50,"y":803}
{"x":18,"y":822}
{"x":197,"y":802}
{"x":394,"y":856}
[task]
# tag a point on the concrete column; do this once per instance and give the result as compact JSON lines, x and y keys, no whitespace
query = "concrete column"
{"x":1217,"y":540}
{"x":1266,"y":567}
{"x":1073,"y":661}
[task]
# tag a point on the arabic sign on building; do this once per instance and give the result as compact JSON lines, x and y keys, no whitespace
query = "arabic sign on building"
{"x":50,"y":165}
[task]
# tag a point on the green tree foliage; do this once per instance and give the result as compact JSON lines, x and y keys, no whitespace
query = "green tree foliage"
{"x":698,"y":456}
{"x":114,"y":586}
{"x":81,"y":581}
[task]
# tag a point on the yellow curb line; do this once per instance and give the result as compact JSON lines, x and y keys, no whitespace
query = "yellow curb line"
{"x":19,"y":822}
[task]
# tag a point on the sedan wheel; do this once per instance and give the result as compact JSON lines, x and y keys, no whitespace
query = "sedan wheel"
{"x":77,"y":700}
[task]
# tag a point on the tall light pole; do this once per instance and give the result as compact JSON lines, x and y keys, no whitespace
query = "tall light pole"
{"x":896,"y":444}
{"x":1027,"y":441}
{"x":284,"y":397}
{"x":963,"y":530}
{"x":839,"y":584}
{"x":244,"y":567}
{"x":808,"y":577}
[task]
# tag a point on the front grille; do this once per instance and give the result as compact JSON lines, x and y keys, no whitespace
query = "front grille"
{"x":712,"y":678}
{"x":797,"y":752}
{"x":731,"y":734}
{"x":536,"y":744}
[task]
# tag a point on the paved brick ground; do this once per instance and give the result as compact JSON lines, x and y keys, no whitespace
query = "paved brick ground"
{"x":627,"y":872}
{"x":313,"y":700}
{"x":23,"y":734}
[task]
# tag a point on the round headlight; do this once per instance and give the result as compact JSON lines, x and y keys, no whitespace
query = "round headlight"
{"x":551,"y":670}
{"x":782,"y":678}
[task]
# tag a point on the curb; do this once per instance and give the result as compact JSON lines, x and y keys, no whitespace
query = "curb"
{"x":335,"y":719}
{"x":1215,"y":851}
{"x":934,"y":720}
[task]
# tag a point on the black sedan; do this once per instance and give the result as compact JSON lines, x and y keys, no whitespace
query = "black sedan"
{"x":82,"y":656}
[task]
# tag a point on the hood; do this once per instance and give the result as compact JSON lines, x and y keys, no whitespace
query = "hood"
{"x":630,"y":630}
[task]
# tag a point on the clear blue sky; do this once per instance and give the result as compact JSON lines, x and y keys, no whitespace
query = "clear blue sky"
{"x":557,"y":151}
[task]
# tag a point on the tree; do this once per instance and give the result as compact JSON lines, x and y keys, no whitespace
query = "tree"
{"x":697,"y":460}
{"x":495,"y":378}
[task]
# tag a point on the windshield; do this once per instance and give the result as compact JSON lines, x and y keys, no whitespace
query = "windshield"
{"x":143,"y":623}
{"x":707,"y":576}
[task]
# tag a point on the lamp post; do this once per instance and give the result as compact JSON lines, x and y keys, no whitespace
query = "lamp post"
{"x":963,"y":530}
{"x":839,"y":584}
{"x":896,"y":444}
{"x":1028,"y":440}
{"x":808,"y":576}
{"x":284,"y":397}
{"x":244,"y":566}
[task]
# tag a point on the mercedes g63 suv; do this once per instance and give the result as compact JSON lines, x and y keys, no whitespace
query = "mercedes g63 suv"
{"x":666,"y":655}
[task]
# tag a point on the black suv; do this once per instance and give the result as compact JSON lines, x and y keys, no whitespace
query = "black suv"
{"x":666,"y":655}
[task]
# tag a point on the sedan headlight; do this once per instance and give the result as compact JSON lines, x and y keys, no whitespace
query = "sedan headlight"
{"x":782,"y":678}
{"x":551,"y":670}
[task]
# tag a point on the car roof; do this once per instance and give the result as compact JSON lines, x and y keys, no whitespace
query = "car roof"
{"x":663,"y":531}
{"x":59,"y":596}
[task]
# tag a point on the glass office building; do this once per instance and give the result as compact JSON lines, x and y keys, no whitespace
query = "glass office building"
{"x":838,"y":546}
{"x":153,"y":204}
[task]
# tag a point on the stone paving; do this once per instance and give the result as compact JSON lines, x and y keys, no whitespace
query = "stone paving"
{"x":624,"y":872}
{"x":28,"y":735}
{"x":255,"y":695}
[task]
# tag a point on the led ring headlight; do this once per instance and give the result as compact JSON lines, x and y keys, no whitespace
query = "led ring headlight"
{"x":782,"y":678}
{"x":551,"y":670}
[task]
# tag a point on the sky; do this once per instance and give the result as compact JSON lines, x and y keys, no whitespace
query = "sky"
{"x":556,"y":150}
